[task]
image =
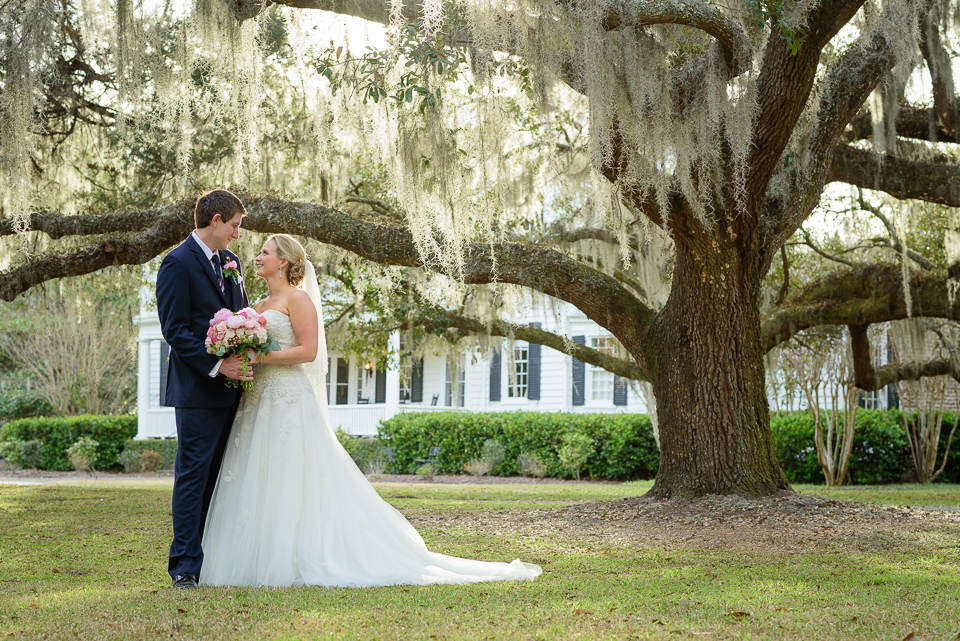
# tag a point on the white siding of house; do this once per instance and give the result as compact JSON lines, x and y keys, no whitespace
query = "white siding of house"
{"x":362,"y":419}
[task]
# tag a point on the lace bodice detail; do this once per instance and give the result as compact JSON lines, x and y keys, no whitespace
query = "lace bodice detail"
{"x":278,"y":324}
{"x":287,"y":382}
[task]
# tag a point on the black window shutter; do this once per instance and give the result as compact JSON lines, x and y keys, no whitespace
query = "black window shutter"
{"x":619,"y":390}
{"x":533,"y":369}
{"x":164,"y":365}
{"x":343,"y":380}
{"x":893,"y":398}
{"x":416,"y":381}
{"x":495,"y":375}
{"x":380,"y":391}
{"x":579,"y":374}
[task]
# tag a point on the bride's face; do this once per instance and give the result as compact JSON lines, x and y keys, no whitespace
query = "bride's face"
{"x":267,"y":261}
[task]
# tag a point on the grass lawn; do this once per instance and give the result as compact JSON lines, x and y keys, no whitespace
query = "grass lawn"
{"x":87,"y":560}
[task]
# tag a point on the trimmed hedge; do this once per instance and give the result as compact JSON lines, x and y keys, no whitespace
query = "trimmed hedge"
{"x":880,"y":453}
{"x":165,"y":447}
{"x":59,"y":433}
{"x":624,"y":447}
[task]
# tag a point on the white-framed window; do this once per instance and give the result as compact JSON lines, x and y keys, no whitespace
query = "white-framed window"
{"x":599,"y":380}
{"x":517,"y":383}
{"x":870,"y":400}
{"x":451,"y":399}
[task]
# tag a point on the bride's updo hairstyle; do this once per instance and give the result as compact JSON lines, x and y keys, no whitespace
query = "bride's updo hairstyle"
{"x":293,"y":252}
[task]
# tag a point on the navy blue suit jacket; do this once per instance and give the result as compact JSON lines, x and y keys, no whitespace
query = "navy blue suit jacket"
{"x":188,"y":296}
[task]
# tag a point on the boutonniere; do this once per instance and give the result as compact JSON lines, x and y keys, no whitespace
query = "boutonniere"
{"x":232,"y":270}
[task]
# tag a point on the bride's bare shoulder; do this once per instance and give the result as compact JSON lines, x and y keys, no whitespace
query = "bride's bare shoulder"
{"x":299,"y":303}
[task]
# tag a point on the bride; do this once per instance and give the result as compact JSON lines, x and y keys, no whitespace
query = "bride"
{"x":290,"y":507}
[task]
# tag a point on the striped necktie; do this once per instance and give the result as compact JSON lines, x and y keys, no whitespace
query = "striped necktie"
{"x":215,"y":259}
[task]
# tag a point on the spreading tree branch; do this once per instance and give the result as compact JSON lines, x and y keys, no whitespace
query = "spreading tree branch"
{"x":902,"y":179}
{"x":601,"y":297}
{"x":438,"y":320}
{"x":864,"y":294}
{"x":785,"y":80}
{"x":870,"y":378}
{"x":919,"y":123}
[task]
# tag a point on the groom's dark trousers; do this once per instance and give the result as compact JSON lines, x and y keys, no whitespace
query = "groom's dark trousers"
{"x":188,"y":296}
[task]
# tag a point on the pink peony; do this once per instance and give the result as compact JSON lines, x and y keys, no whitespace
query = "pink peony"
{"x":232,"y":264}
{"x":251,"y":324}
{"x":236,"y":322}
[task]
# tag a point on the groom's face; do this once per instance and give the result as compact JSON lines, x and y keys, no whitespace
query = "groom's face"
{"x":224,"y":232}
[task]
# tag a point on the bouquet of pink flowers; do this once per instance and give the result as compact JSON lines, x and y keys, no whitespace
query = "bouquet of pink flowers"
{"x":237,"y":332}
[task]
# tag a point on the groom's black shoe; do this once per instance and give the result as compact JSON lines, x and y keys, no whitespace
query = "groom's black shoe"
{"x":185,"y":582}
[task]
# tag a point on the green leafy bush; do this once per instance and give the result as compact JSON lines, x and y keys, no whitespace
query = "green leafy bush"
{"x":10,"y":451}
{"x":879,"y":452}
{"x":83,"y":454}
{"x":576,"y":449}
{"x":493,"y":452}
{"x":59,"y":433}
{"x":363,"y":451}
{"x":951,"y":474}
{"x":624,"y":444}
{"x":31,"y":453}
{"x":166,"y":447}
{"x":20,"y":403}
{"x":130,"y":461}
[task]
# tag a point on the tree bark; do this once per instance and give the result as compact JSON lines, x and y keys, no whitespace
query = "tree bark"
{"x":708,"y":376}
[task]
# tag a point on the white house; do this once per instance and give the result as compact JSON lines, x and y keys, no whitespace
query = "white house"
{"x":360,"y":395}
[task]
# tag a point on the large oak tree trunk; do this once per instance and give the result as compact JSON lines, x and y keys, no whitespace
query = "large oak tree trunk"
{"x":708,"y":378}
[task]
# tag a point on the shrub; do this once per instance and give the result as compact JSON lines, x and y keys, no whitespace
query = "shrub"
{"x":879,"y":448}
{"x":166,"y":447}
{"x":493,"y":452}
{"x":363,"y":451}
{"x":83,"y":454}
{"x":530,"y":465}
{"x":130,"y":461}
{"x":623,"y":443}
{"x":31,"y":453}
{"x":576,"y":449}
{"x":58,"y":433}
{"x":951,"y":473}
{"x":150,"y":461}
{"x":425,"y":470}
{"x":21,"y":403}
{"x":478,"y":467}
{"x":10,"y":451}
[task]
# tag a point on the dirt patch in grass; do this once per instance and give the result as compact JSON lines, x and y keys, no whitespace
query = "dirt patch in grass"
{"x":785,"y":523}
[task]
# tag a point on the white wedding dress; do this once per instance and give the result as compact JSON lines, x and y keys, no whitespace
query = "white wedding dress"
{"x":291,"y":508}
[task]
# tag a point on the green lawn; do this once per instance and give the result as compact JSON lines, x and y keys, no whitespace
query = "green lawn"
{"x":88,"y":561}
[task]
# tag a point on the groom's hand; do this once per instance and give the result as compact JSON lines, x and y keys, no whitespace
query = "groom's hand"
{"x":231,"y":369}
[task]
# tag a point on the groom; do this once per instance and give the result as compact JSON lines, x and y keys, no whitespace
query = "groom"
{"x":191,"y":288}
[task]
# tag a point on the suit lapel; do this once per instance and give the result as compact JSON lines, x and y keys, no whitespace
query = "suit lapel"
{"x":233,"y":289}
{"x":207,"y":267}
